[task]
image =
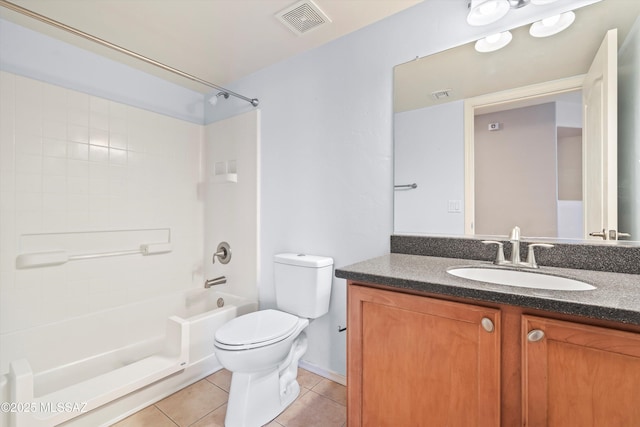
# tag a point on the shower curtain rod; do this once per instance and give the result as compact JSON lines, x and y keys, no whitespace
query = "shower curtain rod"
{"x":72,"y":30}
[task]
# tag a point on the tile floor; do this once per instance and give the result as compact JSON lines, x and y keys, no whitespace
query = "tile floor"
{"x":322,"y":403}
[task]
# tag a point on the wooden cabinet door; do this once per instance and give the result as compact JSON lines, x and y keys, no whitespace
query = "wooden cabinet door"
{"x":579,"y":375}
{"x":416,"y":361}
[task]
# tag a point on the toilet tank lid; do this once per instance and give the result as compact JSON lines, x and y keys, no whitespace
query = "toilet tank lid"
{"x":303,"y":260}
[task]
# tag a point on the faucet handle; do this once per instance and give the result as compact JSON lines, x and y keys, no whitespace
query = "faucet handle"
{"x":531,"y":256}
{"x":500,"y":254}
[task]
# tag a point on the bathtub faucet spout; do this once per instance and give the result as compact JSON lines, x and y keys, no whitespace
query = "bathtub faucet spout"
{"x":213,"y":282}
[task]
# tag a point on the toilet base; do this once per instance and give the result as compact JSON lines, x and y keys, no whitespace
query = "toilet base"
{"x":254,"y":400}
{"x":258,"y":397}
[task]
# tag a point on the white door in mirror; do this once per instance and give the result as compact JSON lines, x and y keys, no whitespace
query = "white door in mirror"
{"x":600,"y":158}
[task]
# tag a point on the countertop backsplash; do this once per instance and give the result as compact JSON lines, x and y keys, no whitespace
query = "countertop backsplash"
{"x":621,"y":257}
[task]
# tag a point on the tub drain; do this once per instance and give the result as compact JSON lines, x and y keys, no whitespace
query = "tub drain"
{"x":220,"y":302}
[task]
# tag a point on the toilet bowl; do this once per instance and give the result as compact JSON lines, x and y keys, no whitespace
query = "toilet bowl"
{"x":262,"y":349}
{"x":257,"y":341}
{"x":264,"y":364}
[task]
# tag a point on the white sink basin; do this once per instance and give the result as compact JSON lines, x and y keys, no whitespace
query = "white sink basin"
{"x":523,"y":279}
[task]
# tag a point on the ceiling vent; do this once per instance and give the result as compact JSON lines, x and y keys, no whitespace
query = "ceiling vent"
{"x":303,"y":17}
{"x":441,"y":94}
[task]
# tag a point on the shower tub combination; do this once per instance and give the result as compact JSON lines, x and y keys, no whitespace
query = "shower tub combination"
{"x":97,"y":369}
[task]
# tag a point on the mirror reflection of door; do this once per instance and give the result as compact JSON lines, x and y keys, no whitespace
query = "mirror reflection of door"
{"x":533,"y":163}
{"x":528,"y":167}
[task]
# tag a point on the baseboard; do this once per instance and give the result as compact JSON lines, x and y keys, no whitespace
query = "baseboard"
{"x":330,"y":375}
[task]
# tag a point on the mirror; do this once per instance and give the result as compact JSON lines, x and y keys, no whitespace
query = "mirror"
{"x":430,"y":95}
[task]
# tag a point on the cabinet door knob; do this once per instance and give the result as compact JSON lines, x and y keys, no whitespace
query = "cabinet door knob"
{"x":487,"y":324}
{"x":535,"y":335}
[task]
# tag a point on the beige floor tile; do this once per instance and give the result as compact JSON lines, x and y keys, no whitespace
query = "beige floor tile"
{"x":334,"y":391}
{"x":308,"y":379}
{"x":313,"y":410}
{"x":222,"y":379}
{"x":303,"y":391}
{"x":213,"y":419}
{"x":192,"y":403}
{"x":147,"y":417}
{"x":203,"y":404}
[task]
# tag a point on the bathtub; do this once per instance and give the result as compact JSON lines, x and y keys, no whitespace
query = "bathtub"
{"x":96,"y":369}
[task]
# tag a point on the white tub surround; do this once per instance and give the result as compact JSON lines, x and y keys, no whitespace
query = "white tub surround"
{"x":78,"y":163}
{"x":69,"y":402}
{"x":103,"y":388}
{"x":232,"y":201}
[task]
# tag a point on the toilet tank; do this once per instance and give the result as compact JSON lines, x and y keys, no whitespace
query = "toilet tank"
{"x":303,"y":284}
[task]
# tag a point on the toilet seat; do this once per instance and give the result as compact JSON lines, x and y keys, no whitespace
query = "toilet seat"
{"x":257,"y":329}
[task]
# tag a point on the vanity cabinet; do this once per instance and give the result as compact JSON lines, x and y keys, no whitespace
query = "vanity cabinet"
{"x":579,"y":375}
{"x":415,"y":361}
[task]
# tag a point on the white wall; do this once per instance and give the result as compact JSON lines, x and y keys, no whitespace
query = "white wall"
{"x":428,"y":149}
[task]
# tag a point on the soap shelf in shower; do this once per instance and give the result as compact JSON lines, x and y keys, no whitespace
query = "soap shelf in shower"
{"x":225,"y":178}
{"x":225,"y":172}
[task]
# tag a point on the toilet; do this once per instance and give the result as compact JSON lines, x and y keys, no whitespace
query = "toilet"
{"x":262,"y":349}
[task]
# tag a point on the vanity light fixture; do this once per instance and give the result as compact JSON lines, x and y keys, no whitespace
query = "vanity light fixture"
{"x":483,"y":12}
{"x":552,"y":25}
{"x":517,"y":4}
{"x":494,"y":42}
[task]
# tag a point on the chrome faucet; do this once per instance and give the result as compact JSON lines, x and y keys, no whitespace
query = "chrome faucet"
{"x":213,"y":282}
{"x":514,"y":238}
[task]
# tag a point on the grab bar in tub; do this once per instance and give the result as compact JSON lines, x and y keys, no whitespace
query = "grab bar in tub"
{"x":407,"y":186}
{"x":43,"y":259}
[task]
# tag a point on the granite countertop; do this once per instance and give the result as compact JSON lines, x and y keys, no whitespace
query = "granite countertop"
{"x":616,"y":297}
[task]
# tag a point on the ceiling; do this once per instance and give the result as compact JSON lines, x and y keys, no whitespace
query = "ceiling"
{"x":219,"y":41}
